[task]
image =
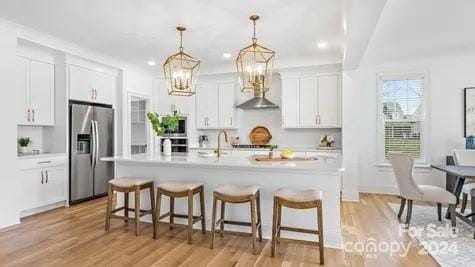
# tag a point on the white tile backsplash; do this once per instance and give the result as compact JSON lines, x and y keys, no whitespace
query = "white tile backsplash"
{"x":35,"y":133}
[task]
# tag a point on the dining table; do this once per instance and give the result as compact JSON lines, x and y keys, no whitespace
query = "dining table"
{"x":460,"y":173}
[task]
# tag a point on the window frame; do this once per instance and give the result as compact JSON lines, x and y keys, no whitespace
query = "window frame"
{"x":424,"y":161}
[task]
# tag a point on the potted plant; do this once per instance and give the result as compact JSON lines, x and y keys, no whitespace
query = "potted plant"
{"x":327,"y":141}
{"x":162,"y":125}
{"x":23,"y":142}
{"x":272,"y":151}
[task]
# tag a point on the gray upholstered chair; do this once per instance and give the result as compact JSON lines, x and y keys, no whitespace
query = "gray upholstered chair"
{"x":466,"y":157}
{"x":409,"y":191}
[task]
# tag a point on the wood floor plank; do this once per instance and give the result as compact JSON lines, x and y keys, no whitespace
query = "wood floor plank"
{"x":75,"y":236}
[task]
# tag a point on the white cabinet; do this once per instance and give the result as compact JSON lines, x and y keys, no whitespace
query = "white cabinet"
{"x":167,"y":104}
{"x":226,"y":105}
{"x":90,"y":86}
{"x":54,"y":184}
{"x":36,"y":87}
{"x":207,"y":110}
{"x":311,"y":102}
{"x":32,"y":188}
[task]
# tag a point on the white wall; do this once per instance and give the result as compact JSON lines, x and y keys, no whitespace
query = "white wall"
{"x":11,"y":192}
{"x":447,"y":77}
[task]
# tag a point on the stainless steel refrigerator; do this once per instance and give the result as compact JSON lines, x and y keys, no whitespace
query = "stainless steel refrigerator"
{"x":91,"y":128}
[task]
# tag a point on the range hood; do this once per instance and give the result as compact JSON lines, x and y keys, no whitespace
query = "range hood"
{"x":258,"y":102}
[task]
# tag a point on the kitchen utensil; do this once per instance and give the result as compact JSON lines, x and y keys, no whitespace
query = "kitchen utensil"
{"x":260,"y":135}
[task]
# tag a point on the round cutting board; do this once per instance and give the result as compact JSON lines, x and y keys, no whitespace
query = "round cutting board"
{"x":260,"y":135}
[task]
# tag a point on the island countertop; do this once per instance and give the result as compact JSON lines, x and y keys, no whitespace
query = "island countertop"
{"x":320,"y":164}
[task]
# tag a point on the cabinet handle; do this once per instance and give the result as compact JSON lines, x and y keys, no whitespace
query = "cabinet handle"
{"x":231,"y":121}
{"x":95,"y":94}
{"x":46,"y":172}
{"x":42,"y":177}
{"x":33,"y":115}
{"x":28,"y":115}
{"x":317,"y":120}
{"x":44,"y":162}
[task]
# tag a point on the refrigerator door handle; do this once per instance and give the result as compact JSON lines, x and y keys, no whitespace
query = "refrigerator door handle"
{"x":93,"y":133}
{"x":97,"y":143}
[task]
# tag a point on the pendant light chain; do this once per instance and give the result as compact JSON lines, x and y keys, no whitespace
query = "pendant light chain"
{"x":254,"y":39}
{"x":181,"y":41}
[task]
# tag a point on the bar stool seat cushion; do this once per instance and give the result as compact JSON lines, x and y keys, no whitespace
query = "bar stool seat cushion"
{"x":469,"y":189}
{"x":179,"y":186}
{"x":129,"y":182}
{"x":298,"y":195}
{"x":237,"y":190}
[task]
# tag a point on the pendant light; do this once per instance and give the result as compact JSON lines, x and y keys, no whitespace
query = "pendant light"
{"x":181,"y":71}
{"x":254,"y":65}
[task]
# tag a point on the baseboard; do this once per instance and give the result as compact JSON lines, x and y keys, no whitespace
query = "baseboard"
{"x":26,"y":213}
{"x":380,"y":189}
{"x":350,"y":196}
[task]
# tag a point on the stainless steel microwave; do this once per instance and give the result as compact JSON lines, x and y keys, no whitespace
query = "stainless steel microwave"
{"x":180,"y":131}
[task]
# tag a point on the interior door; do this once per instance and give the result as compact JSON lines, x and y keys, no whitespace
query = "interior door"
{"x":308,"y":102}
{"x":104,"y":170}
{"x":81,"y":178}
{"x":42,"y":92}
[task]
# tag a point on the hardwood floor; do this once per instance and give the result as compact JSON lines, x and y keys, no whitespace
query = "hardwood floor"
{"x":75,"y":236}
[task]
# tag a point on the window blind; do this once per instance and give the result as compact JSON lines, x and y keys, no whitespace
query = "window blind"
{"x":403,"y":114}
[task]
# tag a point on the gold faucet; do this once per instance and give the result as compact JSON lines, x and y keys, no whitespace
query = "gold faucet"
{"x":218,"y":150}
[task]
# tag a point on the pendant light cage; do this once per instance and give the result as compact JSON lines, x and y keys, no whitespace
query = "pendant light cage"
{"x":181,"y":71}
{"x":254,"y":65}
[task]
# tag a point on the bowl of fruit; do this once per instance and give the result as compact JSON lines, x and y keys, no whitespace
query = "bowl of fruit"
{"x":287,"y":154}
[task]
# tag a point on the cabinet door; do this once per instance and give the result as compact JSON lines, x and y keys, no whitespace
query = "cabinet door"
{"x":79,"y":84}
{"x":165,"y":102}
{"x":54,"y":184}
{"x":226,"y":105}
{"x":102,"y":84}
{"x":328,"y":101}
{"x":308,"y":102}
{"x":31,"y":188}
{"x":23,"y":89}
{"x":42,"y":93}
{"x":290,"y":103}
{"x":183,"y":104}
{"x":206,"y":106}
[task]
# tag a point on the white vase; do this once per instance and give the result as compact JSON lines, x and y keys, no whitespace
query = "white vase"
{"x":167,"y":147}
{"x":23,"y":149}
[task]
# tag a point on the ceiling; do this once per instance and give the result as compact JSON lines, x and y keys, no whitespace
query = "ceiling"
{"x":422,"y":28}
{"x":138,"y":31}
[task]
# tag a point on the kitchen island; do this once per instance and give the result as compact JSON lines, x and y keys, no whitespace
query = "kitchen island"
{"x":323,"y":174}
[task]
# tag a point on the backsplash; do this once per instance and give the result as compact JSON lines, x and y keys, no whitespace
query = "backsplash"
{"x":35,"y":133}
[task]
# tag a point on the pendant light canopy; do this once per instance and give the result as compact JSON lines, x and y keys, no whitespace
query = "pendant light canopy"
{"x":181,"y":71}
{"x":254,"y":65}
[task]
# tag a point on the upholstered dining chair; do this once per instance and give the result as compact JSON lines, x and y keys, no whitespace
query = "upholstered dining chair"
{"x":409,"y":191}
{"x":466,"y":157}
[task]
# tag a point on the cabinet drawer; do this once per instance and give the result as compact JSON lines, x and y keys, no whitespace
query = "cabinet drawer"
{"x":44,"y":162}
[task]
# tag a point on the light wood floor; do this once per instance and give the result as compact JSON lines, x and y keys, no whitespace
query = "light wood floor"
{"x":75,"y":236}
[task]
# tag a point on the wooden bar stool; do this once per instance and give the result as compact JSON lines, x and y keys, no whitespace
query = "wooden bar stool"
{"x":126,"y":186}
{"x":237,"y":194}
{"x":176,"y":189}
{"x":297,"y":199}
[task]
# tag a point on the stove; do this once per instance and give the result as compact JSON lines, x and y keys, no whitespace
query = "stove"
{"x":252,"y":146}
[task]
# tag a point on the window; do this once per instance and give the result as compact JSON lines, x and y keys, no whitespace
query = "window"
{"x":403,"y":115}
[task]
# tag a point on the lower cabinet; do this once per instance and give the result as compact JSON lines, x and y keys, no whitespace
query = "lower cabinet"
{"x":42,"y":186}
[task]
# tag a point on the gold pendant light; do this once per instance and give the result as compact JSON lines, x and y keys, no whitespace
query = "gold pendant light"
{"x":181,"y":71}
{"x":254,"y":65}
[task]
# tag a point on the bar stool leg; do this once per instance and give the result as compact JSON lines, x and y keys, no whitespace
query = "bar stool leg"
{"x":320,"y":233}
{"x":172,"y":212}
{"x":213,"y":221}
{"x":279,"y":221}
{"x":152,"y":204}
{"x":110,"y":195}
{"x":223,"y":211}
{"x":190,"y":217}
{"x":158,"y":207}
{"x":202,"y":207}
{"x":259,"y":221}
{"x":137,"y":210}
{"x":253,"y":223}
{"x":126,"y":207}
{"x":274,"y":222}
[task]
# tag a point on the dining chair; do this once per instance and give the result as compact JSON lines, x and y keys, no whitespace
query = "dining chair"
{"x":466,"y":157}
{"x":409,"y":191}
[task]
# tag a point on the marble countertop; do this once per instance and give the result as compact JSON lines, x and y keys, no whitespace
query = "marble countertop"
{"x":280,"y":148}
{"x":40,"y":155}
{"x":321,"y":164}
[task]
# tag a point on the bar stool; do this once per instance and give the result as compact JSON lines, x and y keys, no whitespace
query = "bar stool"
{"x":237,"y":194}
{"x":126,"y":186}
{"x":297,"y":199}
{"x":177,"y":189}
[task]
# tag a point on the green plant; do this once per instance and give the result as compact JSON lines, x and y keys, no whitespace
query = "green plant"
{"x":161,"y":125}
{"x":272,"y":147}
{"x":24,"y":141}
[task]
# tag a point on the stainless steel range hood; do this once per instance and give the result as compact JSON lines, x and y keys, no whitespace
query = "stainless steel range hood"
{"x":258,"y":102}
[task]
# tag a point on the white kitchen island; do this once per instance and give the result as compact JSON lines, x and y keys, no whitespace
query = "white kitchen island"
{"x":323,"y":174}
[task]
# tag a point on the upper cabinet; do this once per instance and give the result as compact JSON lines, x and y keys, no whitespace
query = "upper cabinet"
{"x":215,"y":106}
{"x":90,"y":86}
{"x":36,"y":86}
{"x":311,"y":102}
{"x":168,"y":104}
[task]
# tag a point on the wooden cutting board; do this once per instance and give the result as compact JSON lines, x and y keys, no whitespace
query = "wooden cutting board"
{"x":260,"y":135}
{"x":281,"y":159}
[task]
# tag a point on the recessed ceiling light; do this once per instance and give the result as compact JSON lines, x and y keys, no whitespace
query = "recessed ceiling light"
{"x":226,"y":55}
{"x":151,"y":63}
{"x":322,"y":45}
